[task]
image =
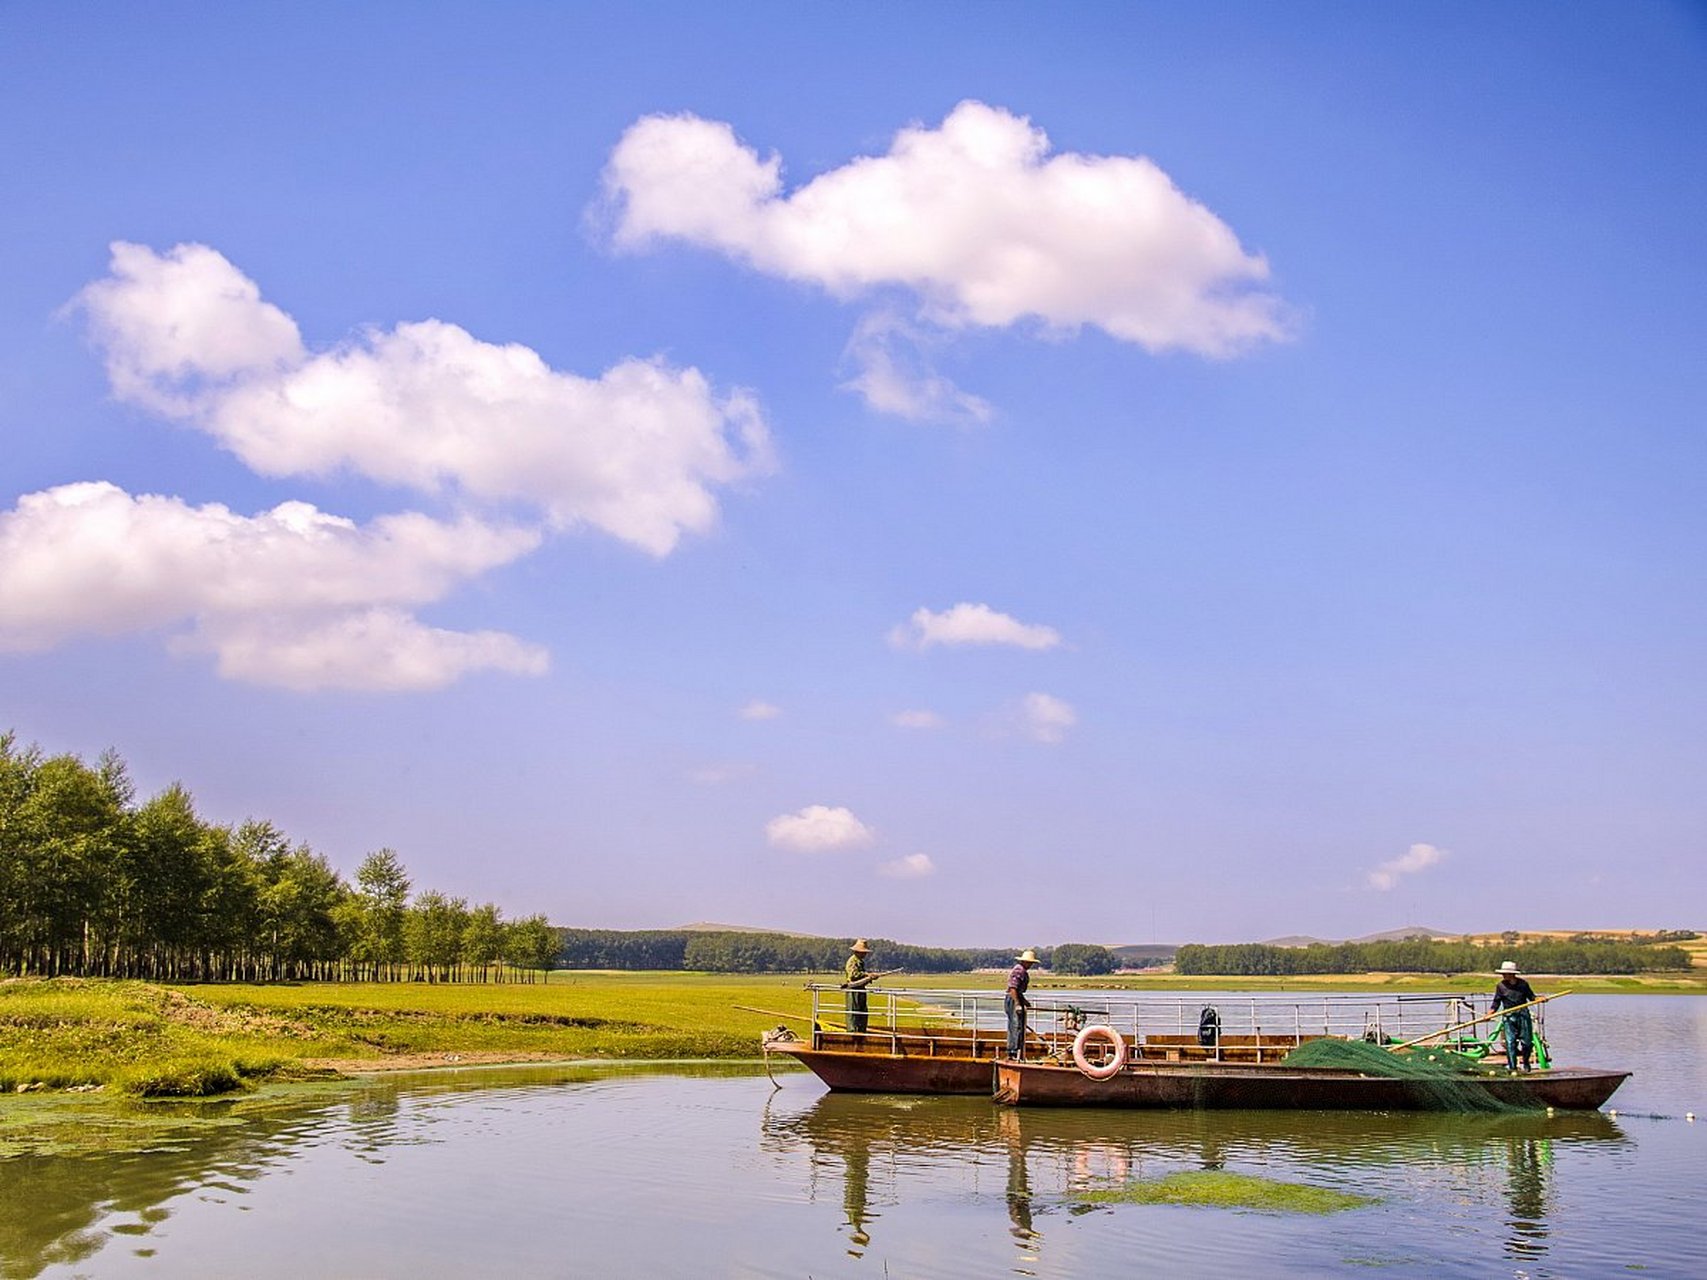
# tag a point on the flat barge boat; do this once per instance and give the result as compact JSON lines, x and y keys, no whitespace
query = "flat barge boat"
{"x":1227,"y":1085}
{"x":1212,"y":1050}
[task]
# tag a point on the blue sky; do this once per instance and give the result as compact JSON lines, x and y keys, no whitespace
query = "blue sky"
{"x":978,"y":474}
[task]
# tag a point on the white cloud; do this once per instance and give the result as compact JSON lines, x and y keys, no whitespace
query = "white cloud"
{"x":757,"y":710}
{"x":818,"y":828}
{"x":715,"y":775}
{"x":636,"y":452}
{"x":976,"y":217}
{"x":914,"y":866}
{"x":916,"y":719}
{"x":292,"y":597}
{"x":894,"y":373}
{"x":1046,"y":718}
{"x":378,"y":650}
{"x":1417,"y":858}
{"x":971,"y":624}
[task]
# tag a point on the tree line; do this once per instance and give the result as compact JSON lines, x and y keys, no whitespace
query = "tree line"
{"x":737,"y":951}
{"x":95,"y":884}
{"x":1420,"y":955}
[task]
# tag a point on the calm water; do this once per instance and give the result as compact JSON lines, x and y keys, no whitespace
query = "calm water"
{"x":694,"y":1172}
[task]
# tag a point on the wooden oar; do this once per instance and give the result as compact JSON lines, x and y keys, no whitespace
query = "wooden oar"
{"x":1497,"y":1013}
{"x":859,"y":983}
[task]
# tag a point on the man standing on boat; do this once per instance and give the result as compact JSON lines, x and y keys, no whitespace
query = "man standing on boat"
{"x":1019,"y":978}
{"x":1519,"y":1027}
{"x":856,"y":982}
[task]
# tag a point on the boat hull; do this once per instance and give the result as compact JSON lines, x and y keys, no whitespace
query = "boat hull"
{"x":1278,"y":1088}
{"x":846,"y":1072}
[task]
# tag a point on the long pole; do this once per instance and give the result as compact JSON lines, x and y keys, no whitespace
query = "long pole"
{"x":1497,"y":1013}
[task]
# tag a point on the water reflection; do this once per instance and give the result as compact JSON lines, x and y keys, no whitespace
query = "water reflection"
{"x":126,"y":1167}
{"x":882,"y":1145}
{"x":63,"y":1208}
{"x":565,"y":1170}
{"x":1529,"y":1159}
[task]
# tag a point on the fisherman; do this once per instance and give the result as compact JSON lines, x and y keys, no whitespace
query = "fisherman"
{"x":858,"y":977}
{"x":1019,"y":978}
{"x":1519,"y":1027}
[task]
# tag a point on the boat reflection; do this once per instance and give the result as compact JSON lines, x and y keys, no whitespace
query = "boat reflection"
{"x":881,"y":1143}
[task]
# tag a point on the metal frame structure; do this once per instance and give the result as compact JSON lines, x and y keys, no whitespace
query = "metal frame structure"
{"x":1164,"y":1022}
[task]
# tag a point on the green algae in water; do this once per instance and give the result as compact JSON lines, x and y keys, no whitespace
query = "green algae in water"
{"x":1218,"y":1189}
{"x":56,"y":1124}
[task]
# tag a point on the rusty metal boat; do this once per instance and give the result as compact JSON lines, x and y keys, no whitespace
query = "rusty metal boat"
{"x":1214,"y":1051}
{"x":1248,"y":1086}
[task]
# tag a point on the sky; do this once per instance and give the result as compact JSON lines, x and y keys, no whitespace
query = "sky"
{"x":976,"y":474}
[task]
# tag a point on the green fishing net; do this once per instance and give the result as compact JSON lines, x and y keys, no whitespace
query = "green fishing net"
{"x":1452,"y":1081}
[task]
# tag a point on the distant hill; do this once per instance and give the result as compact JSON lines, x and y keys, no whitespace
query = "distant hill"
{"x":1386,"y":935}
{"x":1401,"y":933}
{"x":1135,"y":953}
{"x":706,"y":926}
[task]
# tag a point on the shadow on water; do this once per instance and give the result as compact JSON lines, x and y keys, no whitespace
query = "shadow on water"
{"x":879,"y":1144}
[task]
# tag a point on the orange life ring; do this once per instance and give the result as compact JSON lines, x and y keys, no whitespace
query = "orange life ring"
{"x":1108,"y":1069}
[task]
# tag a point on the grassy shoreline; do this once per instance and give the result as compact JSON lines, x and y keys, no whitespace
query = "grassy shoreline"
{"x":142,"y":1039}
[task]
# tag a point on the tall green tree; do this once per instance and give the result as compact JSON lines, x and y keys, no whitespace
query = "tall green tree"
{"x":531,"y":944}
{"x":432,"y":935}
{"x":483,"y":939}
{"x":383,"y":885}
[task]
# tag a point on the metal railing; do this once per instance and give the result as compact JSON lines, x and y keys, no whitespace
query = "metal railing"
{"x":955,"y":1016}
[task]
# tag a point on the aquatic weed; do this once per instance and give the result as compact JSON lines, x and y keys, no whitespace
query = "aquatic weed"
{"x":1220,"y":1189}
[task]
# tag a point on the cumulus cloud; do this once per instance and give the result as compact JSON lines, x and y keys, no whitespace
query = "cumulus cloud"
{"x":978,"y":218}
{"x":914,"y":866}
{"x":916,"y":718}
{"x":637,"y":452}
{"x":970,"y":624}
{"x":716,"y":775}
{"x":1046,"y":718}
{"x":818,"y":829}
{"x":757,"y":710}
{"x":893,"y":372}
{"x":292,"y":597}
{"x":1419,"y":857}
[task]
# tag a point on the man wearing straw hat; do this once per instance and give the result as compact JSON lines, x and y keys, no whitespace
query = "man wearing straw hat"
{"x":1019,"y":978}
{"x":856,"y":980}
{"x":1519,"y":1027}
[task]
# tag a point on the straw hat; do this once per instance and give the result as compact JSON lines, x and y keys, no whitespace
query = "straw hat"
{"x":859,"y":946}
{"x":1028,"y":956}
{"x":1509,"y":967}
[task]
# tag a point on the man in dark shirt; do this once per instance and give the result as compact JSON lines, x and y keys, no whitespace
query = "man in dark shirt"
{"x":1511,"y":992}
{"x":856,"y":982}
{"x":1019,"y":978}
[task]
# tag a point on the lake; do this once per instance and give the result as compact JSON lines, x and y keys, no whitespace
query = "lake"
{"x":706,"y":1170}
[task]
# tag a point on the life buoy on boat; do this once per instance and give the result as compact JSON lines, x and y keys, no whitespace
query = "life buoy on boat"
{"x":1082,"y":1061}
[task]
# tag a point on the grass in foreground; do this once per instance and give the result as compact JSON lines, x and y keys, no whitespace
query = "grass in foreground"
{"x":1218,"y":1189}
{"x":149,"y":1040}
